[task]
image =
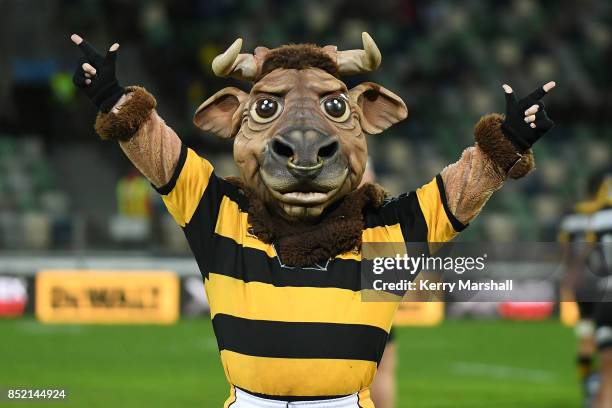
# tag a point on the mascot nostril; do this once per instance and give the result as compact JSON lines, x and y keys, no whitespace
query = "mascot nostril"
{"x":280,"y":248}
{"x":282,"y":149}
{"x":328,"y":151}
{"x":307,"y":150}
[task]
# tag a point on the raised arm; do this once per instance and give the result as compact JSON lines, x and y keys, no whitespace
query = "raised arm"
{"x":127,"y":115}
{"x":502,"y":150}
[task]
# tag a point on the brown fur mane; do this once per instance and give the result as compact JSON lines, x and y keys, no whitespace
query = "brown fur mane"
{"x":297,"y":244}
{"x":298,"y":56}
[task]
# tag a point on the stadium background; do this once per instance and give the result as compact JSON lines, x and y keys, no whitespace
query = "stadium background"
{"x":68,"y":200}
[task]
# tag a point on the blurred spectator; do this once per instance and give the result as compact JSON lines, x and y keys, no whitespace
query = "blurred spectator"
{"x":132,"y":223}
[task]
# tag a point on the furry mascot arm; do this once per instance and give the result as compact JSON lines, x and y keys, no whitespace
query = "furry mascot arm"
{"x":151,"y":145}
{"x":127,"y":115}
{"x":502,"y":150}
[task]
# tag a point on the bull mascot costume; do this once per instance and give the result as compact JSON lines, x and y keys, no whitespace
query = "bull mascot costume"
{"x":280,"y":247}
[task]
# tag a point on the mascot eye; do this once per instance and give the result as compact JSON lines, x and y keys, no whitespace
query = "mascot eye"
{"x":336,"y":108}
{"x":265,"y":110}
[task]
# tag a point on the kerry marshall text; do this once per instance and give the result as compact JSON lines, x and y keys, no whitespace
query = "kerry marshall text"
{"x":450,"y":287}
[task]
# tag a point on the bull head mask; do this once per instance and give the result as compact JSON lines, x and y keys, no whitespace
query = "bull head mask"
{"x":299,"y":135}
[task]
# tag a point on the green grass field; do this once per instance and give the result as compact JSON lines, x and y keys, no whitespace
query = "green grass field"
{"x":458,"y":364}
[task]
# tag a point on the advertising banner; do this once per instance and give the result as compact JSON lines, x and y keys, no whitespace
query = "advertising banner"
{"x":97,"y":296}
{"x":14,"y":296}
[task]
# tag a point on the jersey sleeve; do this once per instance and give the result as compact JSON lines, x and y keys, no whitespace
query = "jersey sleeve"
{"x":193,"y":187}
{"x":442,"y":226}
{"x":600,"y":227}
{"x":420,"y":216}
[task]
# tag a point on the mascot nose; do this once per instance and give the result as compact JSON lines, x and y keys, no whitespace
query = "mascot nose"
{"x":304,"y":151}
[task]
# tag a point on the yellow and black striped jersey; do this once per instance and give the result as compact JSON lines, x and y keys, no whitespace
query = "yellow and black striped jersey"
{"x":290,"y":332}
{"x":600,"y":223}
{"x":600,"y":234}
{"x":575,"y":225}
{"x":600,"y":227}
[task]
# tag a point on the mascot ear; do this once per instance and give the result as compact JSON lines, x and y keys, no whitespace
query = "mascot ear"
{"x":221,"y":113}
{"x":379,"y":108}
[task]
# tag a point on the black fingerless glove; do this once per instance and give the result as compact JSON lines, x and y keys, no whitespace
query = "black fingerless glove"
{"x":104,"y":90}
{"x":514,"y":127}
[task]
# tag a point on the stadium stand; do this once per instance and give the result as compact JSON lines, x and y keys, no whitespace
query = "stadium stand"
{"x":443,"y":58}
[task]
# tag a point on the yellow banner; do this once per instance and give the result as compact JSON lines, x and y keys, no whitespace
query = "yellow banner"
{"x":100,"y":296}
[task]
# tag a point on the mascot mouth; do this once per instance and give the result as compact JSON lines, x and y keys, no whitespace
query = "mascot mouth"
{"x":304,"y":198}
{"x":293,"y":194}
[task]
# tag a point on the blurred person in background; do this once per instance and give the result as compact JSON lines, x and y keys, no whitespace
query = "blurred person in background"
{"x":383,"y":390}
{"x":581,"y":285}
{"x":134,"y":195}
{"x":600,"y":263}
{"x":132,"y":223}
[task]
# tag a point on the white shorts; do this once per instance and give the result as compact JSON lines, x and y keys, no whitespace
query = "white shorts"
{"x":246,"y":400}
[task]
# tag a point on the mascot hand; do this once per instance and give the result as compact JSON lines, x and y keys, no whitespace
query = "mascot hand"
{"x":95,"y":74}
{"x":526,"y":120}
